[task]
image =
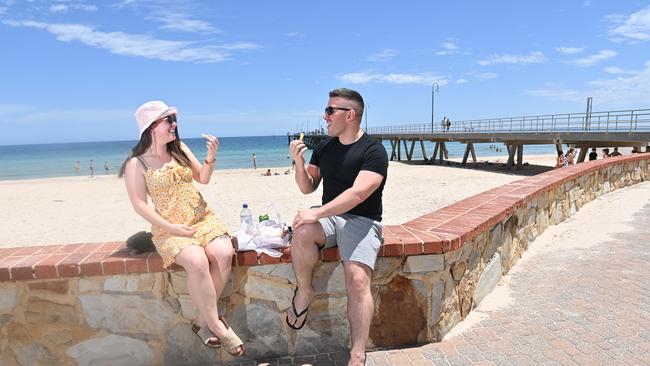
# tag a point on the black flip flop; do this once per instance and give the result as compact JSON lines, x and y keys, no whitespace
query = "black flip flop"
{"x":295,"y":312}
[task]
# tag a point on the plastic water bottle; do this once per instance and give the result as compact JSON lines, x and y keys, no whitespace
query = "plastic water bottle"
{"x":246,"y":215}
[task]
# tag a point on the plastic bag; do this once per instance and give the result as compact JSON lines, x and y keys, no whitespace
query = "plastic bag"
{"x":264,"y":237}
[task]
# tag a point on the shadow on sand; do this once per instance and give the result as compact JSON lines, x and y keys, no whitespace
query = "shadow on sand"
{"x":487,"y":166}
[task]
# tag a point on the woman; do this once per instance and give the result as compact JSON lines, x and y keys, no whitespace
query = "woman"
{"x":560,"y":161}
{"x":570,"y":156}
{"x":185,"y":231}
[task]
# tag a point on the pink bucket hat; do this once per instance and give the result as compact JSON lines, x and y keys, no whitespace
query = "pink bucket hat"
{"x":150,"y":112}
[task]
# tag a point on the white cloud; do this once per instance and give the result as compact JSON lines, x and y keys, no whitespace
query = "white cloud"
{"x":183,"y":23}
{"x":618,"y":92}
{"x":137,"y":45}
{"x":618,"y":71}
{"x":461,"y":81}
{"x":293,"y":34}
{"x":59,"y":8}
{"x":382,"y":55}
{"x":531,"y":58}
{"x":593,"y":59}
{"x":450,"y":48}
{"x":569,"y":50}
{"x":633,"y":28}
{"x":62,"y":8}
{"x":365,"y":78}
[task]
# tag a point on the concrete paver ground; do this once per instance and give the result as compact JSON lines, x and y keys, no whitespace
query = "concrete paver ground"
{"x":580,"y":295}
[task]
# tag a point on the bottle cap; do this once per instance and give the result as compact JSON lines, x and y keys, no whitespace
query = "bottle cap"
{"x":245,"y":205}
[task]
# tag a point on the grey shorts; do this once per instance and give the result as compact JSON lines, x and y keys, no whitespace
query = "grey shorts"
{"x":358,"y":238}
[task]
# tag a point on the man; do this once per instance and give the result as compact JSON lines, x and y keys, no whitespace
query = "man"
{"x":353,"y":168}
{"x":616,"y":152}
{"x":593,"y":155}
{"x":254,"y":161}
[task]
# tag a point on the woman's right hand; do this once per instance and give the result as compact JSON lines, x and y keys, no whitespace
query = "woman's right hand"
{"x":181,"y":230}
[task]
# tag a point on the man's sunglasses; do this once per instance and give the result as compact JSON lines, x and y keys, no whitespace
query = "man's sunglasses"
{"x":330,"y":110}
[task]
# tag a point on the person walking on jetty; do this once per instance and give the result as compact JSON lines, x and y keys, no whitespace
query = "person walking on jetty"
{"x":185,"y":231}
{"x":353,"y":168}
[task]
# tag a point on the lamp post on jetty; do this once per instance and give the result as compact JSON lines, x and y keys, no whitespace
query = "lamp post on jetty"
{"x":434,"y":90}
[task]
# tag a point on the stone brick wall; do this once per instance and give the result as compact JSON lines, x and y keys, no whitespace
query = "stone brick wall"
{"x":99,"y":304}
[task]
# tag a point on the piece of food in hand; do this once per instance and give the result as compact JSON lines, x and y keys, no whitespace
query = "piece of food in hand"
{"x":302,"y":136}
{"x":205,"y":135}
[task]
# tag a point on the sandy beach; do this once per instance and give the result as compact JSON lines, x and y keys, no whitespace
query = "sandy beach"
{"x":83,"y":210}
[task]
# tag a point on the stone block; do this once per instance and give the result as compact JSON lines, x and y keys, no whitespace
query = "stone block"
{"x":90,"y":284}
{"x":283,"y":271}
{"x":392,"y":325}
{"x":115,"y":284}
{"x":257,"y":287}
{"x":128,"y":314}
{"x":458,"y":270}
{"x":385,"y":268}
{"x":494,"y":243}
{"x":179,"y":281}
{"x":39,"y":310}
{"x":329,"y":278}
{"x":56,"y":286}
{"x":183,"y":347}
{"x":437,"y":293}
{"x":262,"y":326}
{"x":489,"y":279}
{"x":33,"y":354}
{"x":7,"y":300}
{"x":424,"y":263}
{"x":111,"y":350}
{"x":188,"y":310}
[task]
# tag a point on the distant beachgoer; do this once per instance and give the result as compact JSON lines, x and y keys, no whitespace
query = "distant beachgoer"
{"x":615,"y":152}
{"x":606,"y":153}
{"x":293,"y":165}
{"x":91,"y":168}
{"x":443,"y":124}
{"x":77,"y":168}
{"x":569,"y":157}
{"x":106,"y":167}
{"x":647,"y":148}
{"x":254,"y":161}
{"x":448,"y":123}
{"x":593,"y":155}
{"x":560,"y":161}
{"x":267,"y":173}
{"x":350,"y":215}
{"x":185,"y":231}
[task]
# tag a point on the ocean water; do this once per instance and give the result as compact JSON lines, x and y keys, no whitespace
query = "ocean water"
{"x":57,"y":160}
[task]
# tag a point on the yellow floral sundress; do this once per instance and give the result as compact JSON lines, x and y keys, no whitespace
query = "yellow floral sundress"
{"x":177,"y":200}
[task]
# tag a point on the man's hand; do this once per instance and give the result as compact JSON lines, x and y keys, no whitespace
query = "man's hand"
{"x":305,"y":216}
{"x":297,"y":149}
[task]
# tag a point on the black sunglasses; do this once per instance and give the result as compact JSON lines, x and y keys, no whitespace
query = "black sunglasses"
{"x":169,"y":119}
{"x":330,"y":110}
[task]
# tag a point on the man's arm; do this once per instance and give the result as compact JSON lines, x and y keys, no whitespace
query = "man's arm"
{"x":364,"y":185}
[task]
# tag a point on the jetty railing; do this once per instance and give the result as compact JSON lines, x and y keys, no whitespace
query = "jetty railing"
{"x":634,"y":120}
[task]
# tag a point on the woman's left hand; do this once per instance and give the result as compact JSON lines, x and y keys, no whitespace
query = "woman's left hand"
{"x":212,"y":144}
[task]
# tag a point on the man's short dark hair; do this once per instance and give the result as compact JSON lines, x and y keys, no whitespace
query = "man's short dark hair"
{"x":352,"y":96}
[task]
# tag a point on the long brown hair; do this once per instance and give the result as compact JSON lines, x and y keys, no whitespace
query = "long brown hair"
{"x":173,"y":147}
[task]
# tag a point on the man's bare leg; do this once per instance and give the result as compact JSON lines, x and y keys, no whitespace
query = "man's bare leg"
{"x":360,"y":308}
{"x":305,"y":250}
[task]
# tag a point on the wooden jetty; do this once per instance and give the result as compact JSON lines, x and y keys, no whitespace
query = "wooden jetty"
{"x":581,"y":130}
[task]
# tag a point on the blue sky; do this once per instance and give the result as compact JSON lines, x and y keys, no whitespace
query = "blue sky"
{"x":77,"y":70}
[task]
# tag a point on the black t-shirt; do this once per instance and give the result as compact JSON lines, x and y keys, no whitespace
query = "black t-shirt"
{"x":340,"y":164}
{"x":593,"y":155}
